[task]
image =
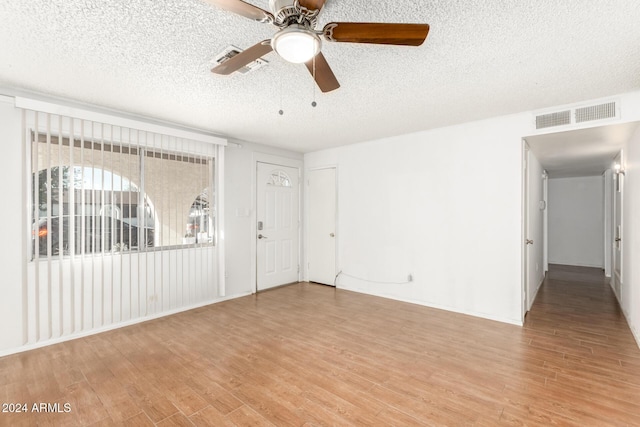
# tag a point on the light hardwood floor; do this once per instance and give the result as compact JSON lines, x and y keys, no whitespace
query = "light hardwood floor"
{"x":311,"y":355}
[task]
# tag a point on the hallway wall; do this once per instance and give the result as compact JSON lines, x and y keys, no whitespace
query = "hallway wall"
{"x":576,"y":218}
{"x":630,"y":291}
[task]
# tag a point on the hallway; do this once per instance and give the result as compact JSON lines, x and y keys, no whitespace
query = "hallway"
{"x":577,"y":324}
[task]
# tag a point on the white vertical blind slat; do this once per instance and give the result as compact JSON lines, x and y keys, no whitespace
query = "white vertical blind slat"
{"x":93,"y":227}
{"x":36,"y":225}
{"x":102,"y":227}
{"x":61,"y":287}
{"x":27,"y":182}
{"x":83,"y":227}
{"x":72,"y":225}
{"x":49,"y":242}
{"x":120,"y":221}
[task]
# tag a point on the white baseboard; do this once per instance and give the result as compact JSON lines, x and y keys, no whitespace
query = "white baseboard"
{"x":535,"y":294}
{"x":635,"y":333}
{"x":576,"y":264}
{"x":438,"y":306}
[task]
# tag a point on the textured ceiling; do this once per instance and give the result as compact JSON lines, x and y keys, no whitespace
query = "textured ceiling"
{"x":482,"y":58}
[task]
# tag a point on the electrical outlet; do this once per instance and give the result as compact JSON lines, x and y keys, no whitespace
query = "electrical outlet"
{"x":410,"y":278}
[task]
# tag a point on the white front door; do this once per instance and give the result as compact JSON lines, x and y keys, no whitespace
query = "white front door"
{"x":277,"y":230}
{"x":322,"y":226}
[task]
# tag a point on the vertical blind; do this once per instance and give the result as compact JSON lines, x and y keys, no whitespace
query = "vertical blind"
{"x":123,"y":224}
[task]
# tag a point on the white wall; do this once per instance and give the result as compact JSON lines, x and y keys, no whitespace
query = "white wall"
{"x":238,"y":214}
{"x":536,"y":229}
{"x":630,"y":290}
{"x":240,"y":204}
{"x":443,"y":205}
{"x":630,"y":298}
{"x":576,"y":221}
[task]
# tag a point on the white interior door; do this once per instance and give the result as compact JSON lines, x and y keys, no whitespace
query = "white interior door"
{"x":322,"y":226}
{"x":277,"y":230}
{"x":617,"y":232}
{"x":528,"y":252}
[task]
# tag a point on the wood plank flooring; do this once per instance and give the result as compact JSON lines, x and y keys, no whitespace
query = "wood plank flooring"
{"x":310,"y":355}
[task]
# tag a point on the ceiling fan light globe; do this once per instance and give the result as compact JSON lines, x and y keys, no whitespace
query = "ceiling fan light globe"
{"x":296,"y":44}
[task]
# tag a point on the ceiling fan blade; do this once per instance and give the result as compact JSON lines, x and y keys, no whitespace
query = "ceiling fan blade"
{"x":365,"y":32}
{"x":325,"y":79}
{"x":312,"y":4}
{"x":243,"y":58}
{"x":245,"y":9}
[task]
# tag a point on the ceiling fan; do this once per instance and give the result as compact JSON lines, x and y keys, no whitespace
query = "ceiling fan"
{"x":298,"y":41}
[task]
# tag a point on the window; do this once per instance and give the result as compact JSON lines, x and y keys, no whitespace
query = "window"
{"x":117,"y":190}
{"x":279,"y":179}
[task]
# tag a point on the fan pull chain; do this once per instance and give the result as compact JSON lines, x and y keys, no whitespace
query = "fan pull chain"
{"x":281,"y":111}
{"x":314,"y":103}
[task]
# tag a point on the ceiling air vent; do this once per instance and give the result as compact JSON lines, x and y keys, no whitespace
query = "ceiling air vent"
{"x":553,"y":119}
{"x":596,"y":112}
{"x":577,"y":116}
{"x":232,"y":51}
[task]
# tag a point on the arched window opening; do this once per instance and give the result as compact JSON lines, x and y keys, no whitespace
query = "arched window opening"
{"x":106,"y":215}
{"x":200,"y":225}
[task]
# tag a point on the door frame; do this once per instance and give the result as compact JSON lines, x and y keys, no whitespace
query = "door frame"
{"x":525,"y":228}
{"x":545,"y":223}
{"x":609,"y":202}
{"x":278,"y":161}
{"x":307,"y":213}
{"x":618,"y":184}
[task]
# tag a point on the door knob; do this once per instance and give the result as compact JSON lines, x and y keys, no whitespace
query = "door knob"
{"x":618,"y":239}
{"x":260,"y":236}
{"x":332,"y":234}
{"x":529,"y":242}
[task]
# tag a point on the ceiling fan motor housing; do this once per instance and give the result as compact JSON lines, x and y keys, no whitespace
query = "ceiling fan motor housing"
{"x":277,"y":5}
{"x":286,"y":13}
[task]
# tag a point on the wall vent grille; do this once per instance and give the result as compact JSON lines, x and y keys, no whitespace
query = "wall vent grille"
{"x":575,"y":116}
{"x":231,"y":51}
{"x":553,"y":119}
{"x":596,"y":112}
